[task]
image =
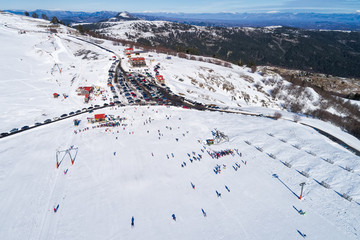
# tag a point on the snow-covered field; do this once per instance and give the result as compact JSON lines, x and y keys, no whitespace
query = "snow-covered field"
{"x":37,"y":64}
{"x":145,"y":168}
{"x":102,"y":190}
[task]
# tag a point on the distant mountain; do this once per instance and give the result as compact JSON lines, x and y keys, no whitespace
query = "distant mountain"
{"x":298,"y":20}
{"x":122,"y":16}
{"x":70,"y":17}
{"x":348,"y":22}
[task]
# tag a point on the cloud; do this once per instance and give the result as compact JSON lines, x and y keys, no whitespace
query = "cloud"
{"x":273,"y":12}
{"x":358,"y":11}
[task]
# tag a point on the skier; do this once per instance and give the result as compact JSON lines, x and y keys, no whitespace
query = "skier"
{"x":204,"y":213}
{"x":173,"y":217}
{"x":218,"y":194}
{"x":56,"y":208}
{"x":132,"y":221}
{"x":227,"y":188}
{"x":114,"y":153}
{"x":192,"y":185}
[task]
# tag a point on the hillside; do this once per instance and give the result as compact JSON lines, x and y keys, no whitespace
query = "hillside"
{"x":37,"y":63}
{"x":148,"y":160}
{"x":312,"y":50}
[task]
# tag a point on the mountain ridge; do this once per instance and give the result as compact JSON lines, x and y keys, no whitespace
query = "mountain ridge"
{"x":333,"y":21}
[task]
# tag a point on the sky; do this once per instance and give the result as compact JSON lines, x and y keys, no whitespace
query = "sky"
{"x":188,"y":6}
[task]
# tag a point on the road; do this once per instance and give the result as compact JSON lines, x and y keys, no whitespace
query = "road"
{"x":176,"y":100}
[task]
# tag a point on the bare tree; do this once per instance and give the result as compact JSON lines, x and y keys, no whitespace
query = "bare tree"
{"x":277,"y":115}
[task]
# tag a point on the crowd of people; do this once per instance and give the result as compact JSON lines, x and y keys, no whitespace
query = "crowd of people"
{"x":221,"y":153}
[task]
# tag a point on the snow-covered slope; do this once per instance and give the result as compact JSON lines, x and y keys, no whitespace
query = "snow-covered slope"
{"x":36,"y":64}
{"x":135,"y":170}
{"x":212,"y":84}
{"x":135,"y":29}
{"x":147,"y":166}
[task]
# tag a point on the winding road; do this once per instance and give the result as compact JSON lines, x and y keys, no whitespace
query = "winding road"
{"x":176,"y":100}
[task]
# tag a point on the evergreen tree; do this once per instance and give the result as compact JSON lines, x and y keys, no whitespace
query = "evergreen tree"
{"x":34,"y":15}
{"x":26,"y":13}
{"x":54,"y":20}
{"x":43,"y":16}
{"x":80,"y":28}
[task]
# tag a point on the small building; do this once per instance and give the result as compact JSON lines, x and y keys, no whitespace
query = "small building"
{"x":137,"y":62}
{"x":160,"y":79}
{"x":100,"y":117}
{"x":84,"y":90}
{"x":128,"y":51}
{"x":86,"y":99}
{"x":209,"y":141}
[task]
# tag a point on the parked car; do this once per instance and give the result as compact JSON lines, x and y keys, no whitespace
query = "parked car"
{"x":4,"y":134}
{"x":64,"y":115}
{"x":38,"y":124}
{"x":14,"y":130}
{"x":78,"y":111}
{"x":71,"y":113}
{"x":97,"y":106}
{"x":25,"y":127}
{"x":47,"y":121}
{"x":105,"y":104}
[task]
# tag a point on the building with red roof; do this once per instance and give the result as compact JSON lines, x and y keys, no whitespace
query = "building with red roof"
{"x":160,"y":79}
{"x":100,"y":117}
{"x":137,"y":62}
{"x":128,"y":51}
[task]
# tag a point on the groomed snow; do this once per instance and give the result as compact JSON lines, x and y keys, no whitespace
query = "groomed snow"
{"x":102,"y":191}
